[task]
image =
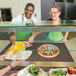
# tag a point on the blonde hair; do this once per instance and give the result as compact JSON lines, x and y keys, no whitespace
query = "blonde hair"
{"x":59,"y":9}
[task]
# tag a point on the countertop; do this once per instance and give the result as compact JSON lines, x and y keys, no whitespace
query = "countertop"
{"x":70,"y":45}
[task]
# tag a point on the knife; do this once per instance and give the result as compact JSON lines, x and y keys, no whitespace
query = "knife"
{"x":13,"y":42}
{"x":15,"y":45}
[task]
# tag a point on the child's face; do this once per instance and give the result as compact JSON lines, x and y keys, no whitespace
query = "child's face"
{"x":54,"y":13}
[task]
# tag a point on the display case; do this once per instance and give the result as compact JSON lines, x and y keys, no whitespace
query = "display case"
{"x":67,"y":52}
{"x":43,"y":26}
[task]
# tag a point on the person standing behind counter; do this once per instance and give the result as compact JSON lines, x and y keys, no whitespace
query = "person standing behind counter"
{"x":28,"y":20}
{"x":55,"y":12}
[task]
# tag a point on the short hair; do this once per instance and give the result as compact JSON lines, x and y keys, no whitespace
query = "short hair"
{"x":30,"y":4}
{"x":59,"y":9}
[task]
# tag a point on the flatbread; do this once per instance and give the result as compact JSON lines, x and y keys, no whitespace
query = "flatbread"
{"x":22,"y":55}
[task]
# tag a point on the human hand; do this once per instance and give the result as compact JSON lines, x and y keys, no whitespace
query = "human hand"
{"x":13,"y":74}
{"x":2,"y":57}
{"x":12,"y":38}
{"x":65,"y":39}
{"x":55,"y":22}
{"x":27,"y":44}
{"x":30,"y":24}
{"x":31,"y":39}
{"x":15,"y":62}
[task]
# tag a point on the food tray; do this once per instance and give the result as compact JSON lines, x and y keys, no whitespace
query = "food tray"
{"x":24,"y":72}
{"x":63,"y":69}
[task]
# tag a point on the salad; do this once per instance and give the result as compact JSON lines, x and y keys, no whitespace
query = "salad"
{"x":58,"y":72}
{"x":33,"y":70}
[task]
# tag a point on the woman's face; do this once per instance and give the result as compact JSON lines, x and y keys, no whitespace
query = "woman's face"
{"x":54,"y":13}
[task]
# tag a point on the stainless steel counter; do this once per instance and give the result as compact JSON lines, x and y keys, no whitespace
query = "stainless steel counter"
{"x":43,"y":63}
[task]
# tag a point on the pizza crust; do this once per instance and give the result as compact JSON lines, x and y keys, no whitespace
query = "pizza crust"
{"x":23,"y":55}
{"x":48,"y":50}
{"x":48,"y":56}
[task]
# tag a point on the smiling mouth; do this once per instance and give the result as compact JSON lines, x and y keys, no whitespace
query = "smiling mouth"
{"x":53,"y":16}
{"x":28,"y":15}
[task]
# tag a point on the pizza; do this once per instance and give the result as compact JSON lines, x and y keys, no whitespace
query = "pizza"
{"x":18,"y":52}
{"x":18,"y":55}
{"x":48,"y":50}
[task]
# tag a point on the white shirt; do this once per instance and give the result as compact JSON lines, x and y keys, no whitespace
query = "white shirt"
{"x":19,"y":20}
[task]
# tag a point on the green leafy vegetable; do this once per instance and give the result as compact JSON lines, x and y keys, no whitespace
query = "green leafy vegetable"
{"x":33,"y":70}
{"x":59,"y":72}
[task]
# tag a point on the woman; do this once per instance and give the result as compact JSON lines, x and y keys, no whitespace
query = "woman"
{"x":55,"y":12}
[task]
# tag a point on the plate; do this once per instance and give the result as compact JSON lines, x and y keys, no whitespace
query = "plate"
{"x":48,"y":50}
{"x":63,"y":69}
{"x":24,"y":72}
{"x":22,"y":55}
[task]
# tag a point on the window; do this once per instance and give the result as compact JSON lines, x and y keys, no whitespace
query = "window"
{"x":5,"y":14}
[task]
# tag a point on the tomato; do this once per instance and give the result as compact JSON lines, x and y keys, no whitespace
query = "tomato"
{"x":71,"y":70}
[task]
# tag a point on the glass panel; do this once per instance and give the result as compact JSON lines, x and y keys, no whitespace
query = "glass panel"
{"x":66,"y":52}
{"x":43,"y":38}
{"x":40,"y":24}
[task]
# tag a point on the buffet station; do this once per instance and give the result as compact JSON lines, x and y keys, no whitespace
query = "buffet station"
{"x":42,"y":58}
{"x":38,"y":52}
